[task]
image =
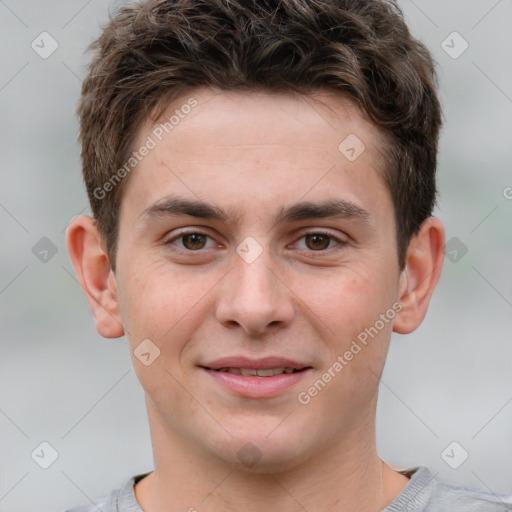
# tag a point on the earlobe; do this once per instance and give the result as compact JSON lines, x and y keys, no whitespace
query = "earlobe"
{"x":98,"y":282}
{"x":420,"y":276}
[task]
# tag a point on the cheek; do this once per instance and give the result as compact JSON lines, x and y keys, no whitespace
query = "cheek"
{"x":163,"y":304}
{"x":351,"y":297}
{"x":147,"y":307}
{"x":349,"y":308}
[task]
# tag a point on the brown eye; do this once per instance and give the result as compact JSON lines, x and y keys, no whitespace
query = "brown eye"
{"x":317,"y":241}
{"x":194,"y":241}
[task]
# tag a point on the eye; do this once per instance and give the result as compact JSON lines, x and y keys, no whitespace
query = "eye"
{"x":319,"y":241}
{"x":195,"y":241}
{"x":191,"y":241}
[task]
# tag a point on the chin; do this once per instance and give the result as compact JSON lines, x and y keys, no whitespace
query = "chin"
{"x":258,"y":454}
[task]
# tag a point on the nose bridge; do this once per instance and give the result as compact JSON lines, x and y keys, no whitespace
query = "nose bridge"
{"x":252,"y":295}
{"x":255,"y":279}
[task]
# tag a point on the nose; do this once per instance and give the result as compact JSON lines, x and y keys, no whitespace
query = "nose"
{"x":254,"y":296}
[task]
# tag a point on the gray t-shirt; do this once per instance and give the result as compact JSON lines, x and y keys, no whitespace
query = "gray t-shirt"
{"x":423,"y":493}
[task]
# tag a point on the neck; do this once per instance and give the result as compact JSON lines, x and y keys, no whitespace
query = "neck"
{"x":347,"y":476}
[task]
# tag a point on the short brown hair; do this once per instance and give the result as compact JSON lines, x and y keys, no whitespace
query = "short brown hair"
{"x":153,"y":52}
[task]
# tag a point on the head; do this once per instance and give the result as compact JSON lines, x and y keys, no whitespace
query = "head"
{"x":262,"y":180}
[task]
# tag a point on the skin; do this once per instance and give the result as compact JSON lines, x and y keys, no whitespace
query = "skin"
{"x":252,"y":154}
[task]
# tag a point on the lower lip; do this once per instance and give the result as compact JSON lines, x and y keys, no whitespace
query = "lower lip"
{"x":257,"y":387}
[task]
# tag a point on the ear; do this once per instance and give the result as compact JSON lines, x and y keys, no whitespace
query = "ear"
{"x":98,"y":281}
{"x":418,"y":279}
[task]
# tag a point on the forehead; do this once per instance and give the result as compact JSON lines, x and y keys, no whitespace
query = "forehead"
{"x":255,"y":145}
{"x":250,"y":119}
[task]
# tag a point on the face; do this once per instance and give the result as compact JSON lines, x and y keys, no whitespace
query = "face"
{"x":257,"y":258}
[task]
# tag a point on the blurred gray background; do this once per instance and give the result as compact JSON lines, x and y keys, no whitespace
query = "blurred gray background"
{"x":446,"y":389}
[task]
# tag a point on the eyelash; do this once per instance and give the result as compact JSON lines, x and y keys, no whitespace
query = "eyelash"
{"x":195,"y":232}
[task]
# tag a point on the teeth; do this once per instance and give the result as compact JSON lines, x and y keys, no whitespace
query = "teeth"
{"x":251,"y":372}
{"x":266,"y":373}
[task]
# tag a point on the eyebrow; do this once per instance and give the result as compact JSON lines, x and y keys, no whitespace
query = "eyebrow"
{"x":175,"y":206}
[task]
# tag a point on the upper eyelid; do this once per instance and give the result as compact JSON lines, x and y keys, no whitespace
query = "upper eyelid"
{"x":299,"y":236}
{"x":186,"y":232}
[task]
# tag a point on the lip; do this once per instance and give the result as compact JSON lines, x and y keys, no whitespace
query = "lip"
{"x":255,"y":386}
{"x":264,"y":363}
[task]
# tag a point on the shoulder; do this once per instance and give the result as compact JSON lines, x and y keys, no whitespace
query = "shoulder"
{"x":457,"y":498}
{"x":425,"y":493}
{"x":106,"y":503}
{"x":118,"y":500}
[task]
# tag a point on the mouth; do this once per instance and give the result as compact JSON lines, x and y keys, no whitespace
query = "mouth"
{"x":263,"y":378}
{"x":258,"y":372}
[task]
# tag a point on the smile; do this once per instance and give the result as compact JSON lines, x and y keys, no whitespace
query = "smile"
{"x":255,"y":379}
{"x":260,"y":372}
